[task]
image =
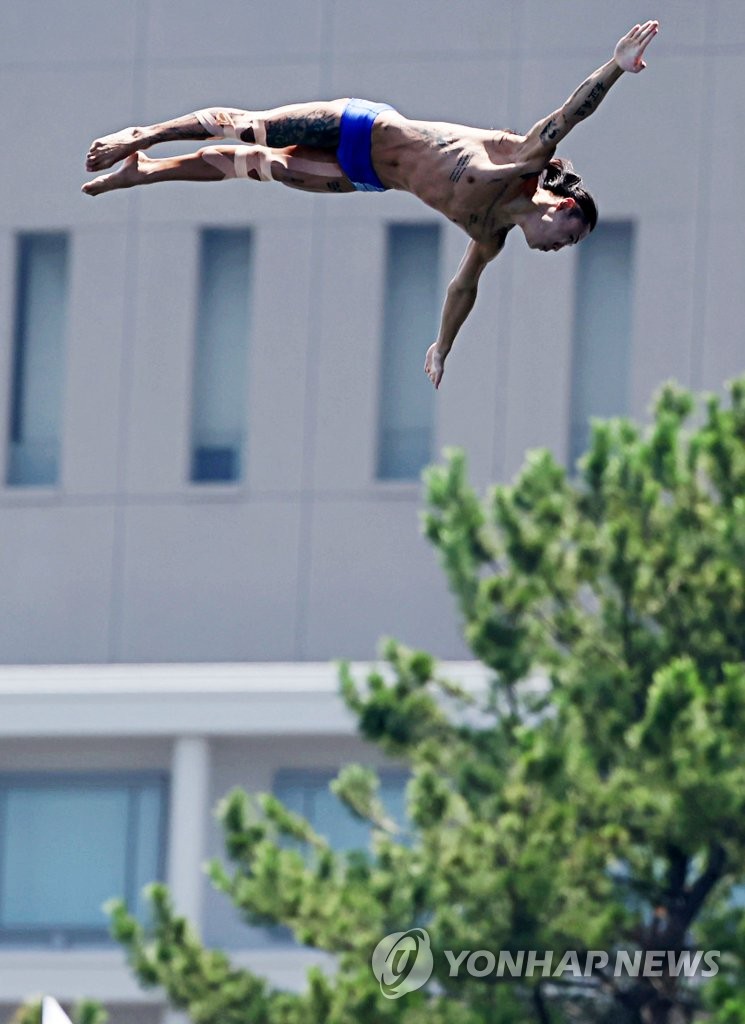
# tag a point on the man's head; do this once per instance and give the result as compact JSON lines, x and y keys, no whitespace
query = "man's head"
{"x":567,"y":213}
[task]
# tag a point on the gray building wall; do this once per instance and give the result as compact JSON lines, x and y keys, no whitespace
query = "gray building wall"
{"x":310,"y":557}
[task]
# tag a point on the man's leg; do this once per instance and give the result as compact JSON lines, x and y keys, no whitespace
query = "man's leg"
{"x":298,"y":167}
{"x":139,"y":169}
{"x":307,"y":124}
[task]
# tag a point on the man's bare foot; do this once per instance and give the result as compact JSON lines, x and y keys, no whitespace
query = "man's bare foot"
{"x":129,"y":174}
{"x":111,"y":149}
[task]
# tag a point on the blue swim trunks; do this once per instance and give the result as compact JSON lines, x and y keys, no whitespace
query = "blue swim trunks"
{"x":355,"y":144}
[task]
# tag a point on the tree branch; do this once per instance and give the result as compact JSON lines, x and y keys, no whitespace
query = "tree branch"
{"x":540,"y":1006}
{"x":705,"y":883}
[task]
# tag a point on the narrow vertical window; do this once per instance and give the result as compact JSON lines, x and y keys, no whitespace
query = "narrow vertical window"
{"x":38,"y":360}
{"x":221,"y":358}
{"x":412,"y":303}
{"x":601,"y":356}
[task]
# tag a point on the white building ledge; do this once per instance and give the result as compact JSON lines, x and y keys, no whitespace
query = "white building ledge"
{"x":102,"y":974}
{"x":178,"y":700}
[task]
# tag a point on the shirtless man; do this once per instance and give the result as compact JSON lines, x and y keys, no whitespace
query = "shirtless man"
{"x":486,"y":182}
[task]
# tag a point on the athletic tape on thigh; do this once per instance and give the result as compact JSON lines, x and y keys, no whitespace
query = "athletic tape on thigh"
{"x":228,"y":124}
{"x":252,"y":158}
{"x":240,"y":161}
{"x":220,"y":161}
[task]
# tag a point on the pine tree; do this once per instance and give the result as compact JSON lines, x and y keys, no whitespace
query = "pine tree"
{"x":592,"y":798}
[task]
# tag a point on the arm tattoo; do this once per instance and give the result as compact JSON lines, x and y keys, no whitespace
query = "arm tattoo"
{"x":577,"y":91}
{"x":316,"y":129}
{"x":593,"y":98}
{"x":550,"y":131}
{"x":463,"y":162}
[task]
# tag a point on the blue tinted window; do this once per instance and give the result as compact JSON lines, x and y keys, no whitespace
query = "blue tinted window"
{"x":601,"y":356}
{"x":68,"y":844}
{"x":221,"y":356}
{"x":38,"y":360}
{"x":412,"y":306}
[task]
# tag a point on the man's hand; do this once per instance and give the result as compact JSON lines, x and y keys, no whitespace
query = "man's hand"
{"x":434,"y":364}
{"x":629,"y":50}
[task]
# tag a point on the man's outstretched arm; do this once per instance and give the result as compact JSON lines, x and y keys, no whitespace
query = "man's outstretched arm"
{"x":544,"y":137}
{"x":459,"y":301}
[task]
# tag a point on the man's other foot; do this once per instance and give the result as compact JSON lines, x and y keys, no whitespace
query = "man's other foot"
{"x":129,"y":174}
{"x":111,"y":149}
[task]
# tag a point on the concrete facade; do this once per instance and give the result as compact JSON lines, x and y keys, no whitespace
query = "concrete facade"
{"x":189,"y":625}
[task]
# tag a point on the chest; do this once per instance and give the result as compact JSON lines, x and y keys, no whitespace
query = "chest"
{"x":481,"y":203}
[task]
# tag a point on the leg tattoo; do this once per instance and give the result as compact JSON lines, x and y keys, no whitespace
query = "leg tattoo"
{"x":318,"y":128}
